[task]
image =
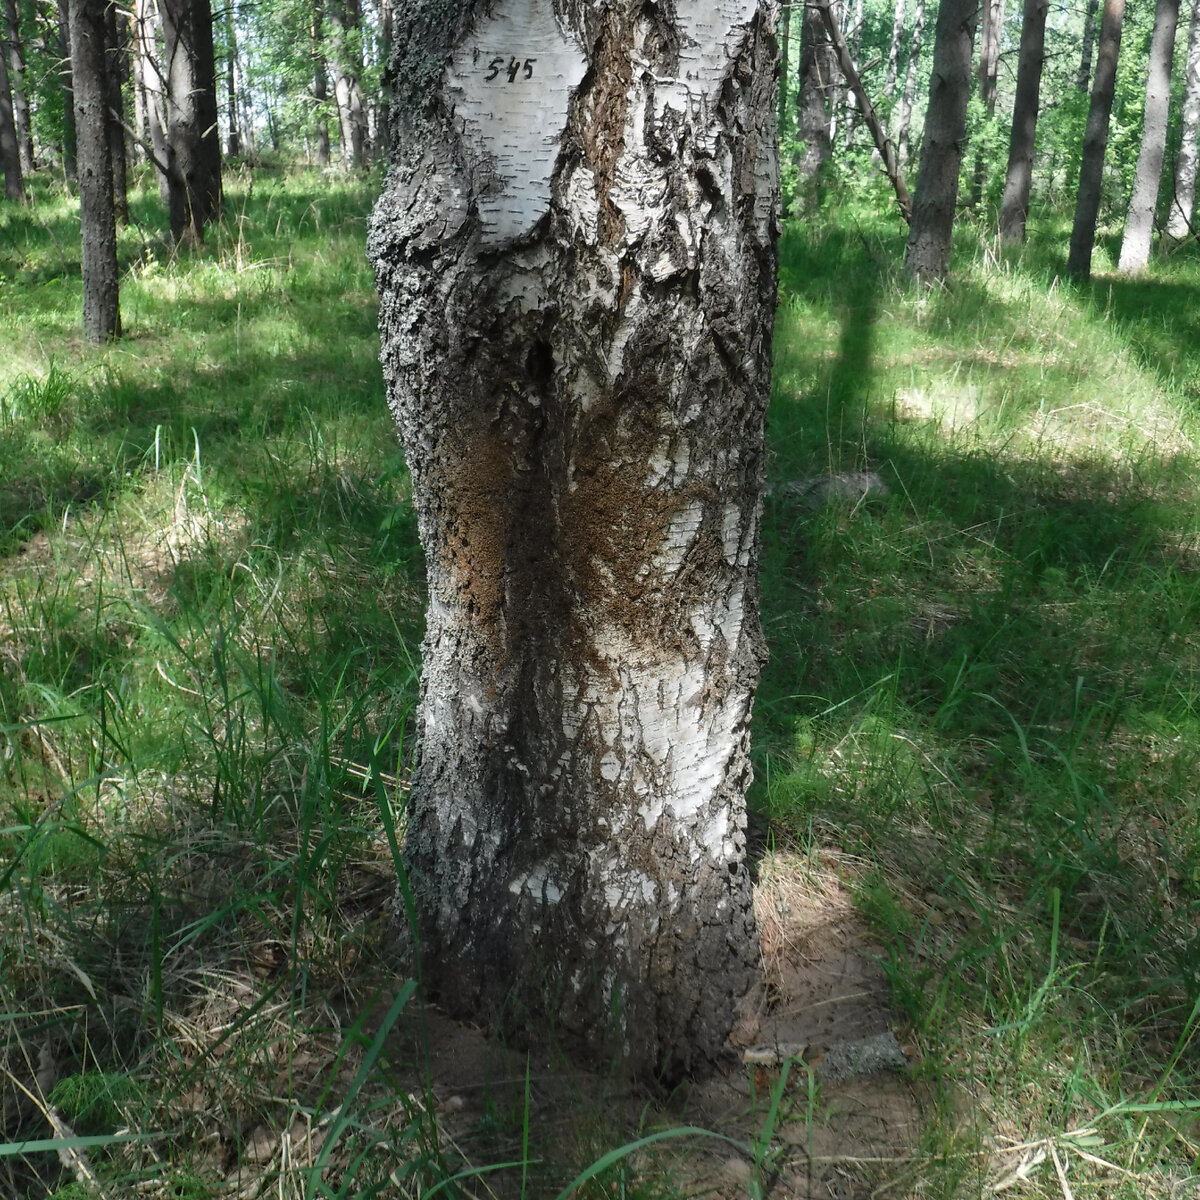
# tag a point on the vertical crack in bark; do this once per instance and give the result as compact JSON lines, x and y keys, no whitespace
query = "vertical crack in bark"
{"x":583,"y":415}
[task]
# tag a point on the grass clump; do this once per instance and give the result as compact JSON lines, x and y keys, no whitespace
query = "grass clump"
{"x":983,"y":683}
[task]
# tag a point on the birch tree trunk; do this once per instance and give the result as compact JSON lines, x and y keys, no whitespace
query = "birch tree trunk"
{"x":854,"y":43}
{"x":97,"y":218}
{"x":320,"y":82}
{"x":346,"y":53}
{"x":1095,"y":141}
{"x":575,"y":252}
{"x":115,"y":49}
{"x":1183,"y":201}
{"x":893,"y":60}
{"x":234,"y":144}
{"x":1083,"y":77}
{"x":1018,"y":180}
{"x":909,"y":95}
{"x":1139,"y":223}
{"x":20,"y":93}
{"x":927,"y":255}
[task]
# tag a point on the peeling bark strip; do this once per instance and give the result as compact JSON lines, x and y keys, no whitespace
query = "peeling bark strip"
{"x":575,"y":251}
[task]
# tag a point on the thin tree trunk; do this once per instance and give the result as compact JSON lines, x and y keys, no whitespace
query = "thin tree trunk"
{"x":883,"y":147}
{"x":1018,"y":180}
{"x":989,"y":66}
{"x":1139,"y":223}
{"x":146,"y":40}
{"x":114,"y":63}
{"x":141,"y":114}
{"x":1183,"y":201}
{"x":234,"y":143}
{"x":320,"y":83}
{"x":908,"y":98}
{"x":17,"y":78}
{"x":927,"y":255}
{"x":893,"y":61}
{"x":10,"y":153}
{"x":817,"y":80}
{"x":1083,"y":77}
{"x":64,"y":57}
{"x":193,"y":140}
{"x":382,"y":135}
{"x":97,"y":218}
{"x":854,"y":44}
{"x":785,"y":31}
{"x":576,"y":340}
{"x":1095,"y":141}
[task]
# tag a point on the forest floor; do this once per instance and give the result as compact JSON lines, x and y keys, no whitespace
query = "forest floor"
{"x":977,"y":741}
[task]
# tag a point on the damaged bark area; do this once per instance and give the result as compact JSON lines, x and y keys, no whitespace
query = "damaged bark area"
{"x":575,"y":251}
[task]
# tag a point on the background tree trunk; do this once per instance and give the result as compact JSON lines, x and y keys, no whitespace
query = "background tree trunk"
{"x":1018,"y":180}
{"x":989,"y":67}
{"x":115,"y":49}
{"x":97,"y":218}
{"x":927,"y":255}
{"x":193,"y":140}
{"x":17,"y":81}
{"x":320,"y":83}
{"x":576,"y":264}
{"x":146,"y":41}
{"x":817,"y":83}
{"x":234,"y":144}
{"x":909,"y":96}
{"x":64,"y":55}
{"x":892,"y":71}
{"x":344,"y":23}
{"x":1095,"y":141}
{"x":1139,"y":224}
{"x":853,"y":45}
{"x":1183,"y":202}
{"x":1083,"y":76}
{"x":10,"y":154}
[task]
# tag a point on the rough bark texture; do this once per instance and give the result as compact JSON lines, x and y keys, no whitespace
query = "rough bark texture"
{"x":1018,"y":179}
{"x":10,"y":155}
{"x":97,"y":220}
{"x":928,"y":252}
{"x":908,"y":98}
{"x":818,"y":79}
{"x":1095,"y":141}
{"x":1183,"y":200}
{"x":193,"y":139}
{"x":1083,"y":77}
{"x":20,"y":95}
{"x":1139,"y":223}
{"x":575,"y":252}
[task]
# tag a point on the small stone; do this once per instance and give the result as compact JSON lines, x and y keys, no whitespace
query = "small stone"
{"x":849,"y":1060}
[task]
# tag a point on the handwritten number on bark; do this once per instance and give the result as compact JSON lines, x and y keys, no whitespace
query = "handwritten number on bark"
{"x":514,"y":68}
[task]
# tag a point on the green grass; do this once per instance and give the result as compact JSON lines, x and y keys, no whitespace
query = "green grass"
{"x":984,"y":689}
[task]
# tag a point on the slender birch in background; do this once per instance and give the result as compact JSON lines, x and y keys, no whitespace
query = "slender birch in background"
{"x":1083,"y":77}
{"x":17,"y":76}
{"x":1183,"y":199}
{"x":908,"y":96}
{"x":10,"y":154}
{"x":1139,"y":223}
{"x":989,"y":68}
{"x":1095,"y":141}
{"x":1018,"y":179}
{"x":575,"y":252}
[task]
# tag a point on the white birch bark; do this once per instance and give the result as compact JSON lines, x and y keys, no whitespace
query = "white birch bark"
{"x":576,"y":265}
{"x":1139,"y":222}
{"x":1183,"y":202}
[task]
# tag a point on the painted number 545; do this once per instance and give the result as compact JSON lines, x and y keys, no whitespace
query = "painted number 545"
{"x":514,"y":68}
